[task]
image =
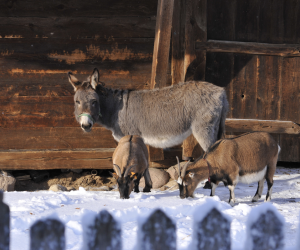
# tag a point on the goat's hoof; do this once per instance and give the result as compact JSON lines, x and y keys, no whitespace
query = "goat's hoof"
{"x":146,"y":190}
{"x":231,"y":202}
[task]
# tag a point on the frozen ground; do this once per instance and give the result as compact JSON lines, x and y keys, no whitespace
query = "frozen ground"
{"x":27,"y":207}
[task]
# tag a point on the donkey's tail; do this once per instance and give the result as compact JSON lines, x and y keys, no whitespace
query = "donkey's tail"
{"x":221,"y":132}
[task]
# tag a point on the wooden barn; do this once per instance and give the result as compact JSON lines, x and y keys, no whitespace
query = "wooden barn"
{"x":250,"y":47}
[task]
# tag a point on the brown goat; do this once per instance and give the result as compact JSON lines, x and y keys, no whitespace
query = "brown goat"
{"x":130,"y":160}
{"x":247,"y":158}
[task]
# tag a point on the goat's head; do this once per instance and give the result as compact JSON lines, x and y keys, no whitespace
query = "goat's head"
{"x":125,"y":181}
{"x":87,"y":107}
{"x":186,"y":181}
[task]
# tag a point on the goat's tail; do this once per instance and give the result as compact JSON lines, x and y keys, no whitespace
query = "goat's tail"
{"x":221,"y":132}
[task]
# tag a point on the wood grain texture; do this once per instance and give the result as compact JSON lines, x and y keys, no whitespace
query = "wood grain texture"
{"x":160,"y":61}
{"x":55,"y":138}
{"x":77,"y":8}
{"x":270,"y":126}
{"x":60,"y":159}
{"x":77,"y":28}
{"x":249,"y":48}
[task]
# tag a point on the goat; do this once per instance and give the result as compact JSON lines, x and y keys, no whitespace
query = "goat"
{"x":162,"y":117}
{"x":247,"y":158}
{"x":130,"y":162}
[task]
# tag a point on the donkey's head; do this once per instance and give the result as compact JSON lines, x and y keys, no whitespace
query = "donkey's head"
{"x":186,"y":181}
{"x":125,"y":181}
{"x":87,"y":107}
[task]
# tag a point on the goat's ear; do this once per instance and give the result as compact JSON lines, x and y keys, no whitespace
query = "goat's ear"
{"x":94,"y":78}
{"x":191,"y":174}
{"x":74,"y":81}
{"x":133,"y":175}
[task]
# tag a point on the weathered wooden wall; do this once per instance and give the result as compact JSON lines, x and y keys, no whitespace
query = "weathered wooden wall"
{"x":262,"y":87}
{"x":40,"y":41}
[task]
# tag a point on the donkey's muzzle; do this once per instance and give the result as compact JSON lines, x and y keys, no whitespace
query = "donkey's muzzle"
{"x":86,"y":127}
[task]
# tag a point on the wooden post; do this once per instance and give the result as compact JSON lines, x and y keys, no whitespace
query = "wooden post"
{"x":162,"y":43}
{"x":189,"y":26}
{"x":47,"y":234}
{"x":158,"y":232}
{"x":161,"y":57}
{"x":4,"y":224}
{"x":212,"y":230}
{"x":265,"y":229}
{"x":104,"y":233}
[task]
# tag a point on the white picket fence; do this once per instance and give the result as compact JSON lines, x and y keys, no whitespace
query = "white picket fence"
{"x":211,"y":230}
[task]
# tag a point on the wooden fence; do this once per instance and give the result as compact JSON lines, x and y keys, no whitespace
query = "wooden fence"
{"x":211,"y":230}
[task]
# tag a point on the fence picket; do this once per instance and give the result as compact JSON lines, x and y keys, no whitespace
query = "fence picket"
{"x":47,"y":234}
{"x":4,"y":224}
{"x":265,"y":229}
{"x":157,"y":232}
{"x":104,"y":233}
{"x":211,"y":228}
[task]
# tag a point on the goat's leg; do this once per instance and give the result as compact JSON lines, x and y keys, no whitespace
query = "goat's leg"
{"x":232,"y":196}
{"x":271,"y":168}
{"x":136,"y":183}
{"x":148,"y":181}
{"x":213,"y":188}
{"x":259,"y":190}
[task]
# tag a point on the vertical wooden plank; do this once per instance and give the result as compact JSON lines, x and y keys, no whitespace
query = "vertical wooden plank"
{"x":289,"y":111}
{"x":194,"y":61}
{"x":244,"y":87}
{"x":160,"y":59}
{"x":268,"y":87}
{"x":157,"y":232}
{"x":178,"y":42}
{"x":221,"y":19}
{"x":4,"y":224}
{"x":246,"y":25}
{"x":47,"y":234}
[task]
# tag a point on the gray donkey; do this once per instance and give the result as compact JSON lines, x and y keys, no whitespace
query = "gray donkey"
{"x":162,"y":117}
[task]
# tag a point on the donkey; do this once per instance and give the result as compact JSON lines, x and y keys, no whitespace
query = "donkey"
{"x":130,"y":161}
{"x":162,"y":117}
{"x":247,"y":158}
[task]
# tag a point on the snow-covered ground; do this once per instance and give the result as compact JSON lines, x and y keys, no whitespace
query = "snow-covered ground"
{"x":27,"y":207}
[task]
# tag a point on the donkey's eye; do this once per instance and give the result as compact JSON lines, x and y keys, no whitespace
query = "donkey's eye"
{"x":78,"y":102}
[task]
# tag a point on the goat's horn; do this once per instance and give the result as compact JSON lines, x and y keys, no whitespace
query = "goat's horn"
{"x":184,"y":169}
{"x":178,"y":166}
{"x":117,"y":169}
{"x":128,"y":169}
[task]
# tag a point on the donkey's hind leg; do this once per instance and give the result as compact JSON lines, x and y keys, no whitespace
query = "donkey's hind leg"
{"x":148,"y":181}
{"x":259,"y":190}
{"x":205,"y":136}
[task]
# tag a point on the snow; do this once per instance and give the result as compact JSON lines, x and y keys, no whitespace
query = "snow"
{"x":73,"y":207}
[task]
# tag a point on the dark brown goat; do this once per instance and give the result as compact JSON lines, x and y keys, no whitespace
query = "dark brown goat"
{"x":130,"y":161}
{"x":248,"y":158}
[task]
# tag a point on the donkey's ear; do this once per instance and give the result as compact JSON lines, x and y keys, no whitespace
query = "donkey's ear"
{"x":95,"y":78}
{"x":74,"y":81}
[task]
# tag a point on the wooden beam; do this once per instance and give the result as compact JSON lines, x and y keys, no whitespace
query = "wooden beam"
{"x":189,"y":25}
{"x":56,"y":159}
{"x":270,"y":126}
{"x":160,"y":61}
{"x":285,"y":50}
{"x":162,"y":43}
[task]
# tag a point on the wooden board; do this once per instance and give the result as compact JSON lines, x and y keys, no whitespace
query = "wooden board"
{"x":55,"y":138}
{"x":61,"y":159}
{"x":78,"y":8}
{"x":77,"y":28}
